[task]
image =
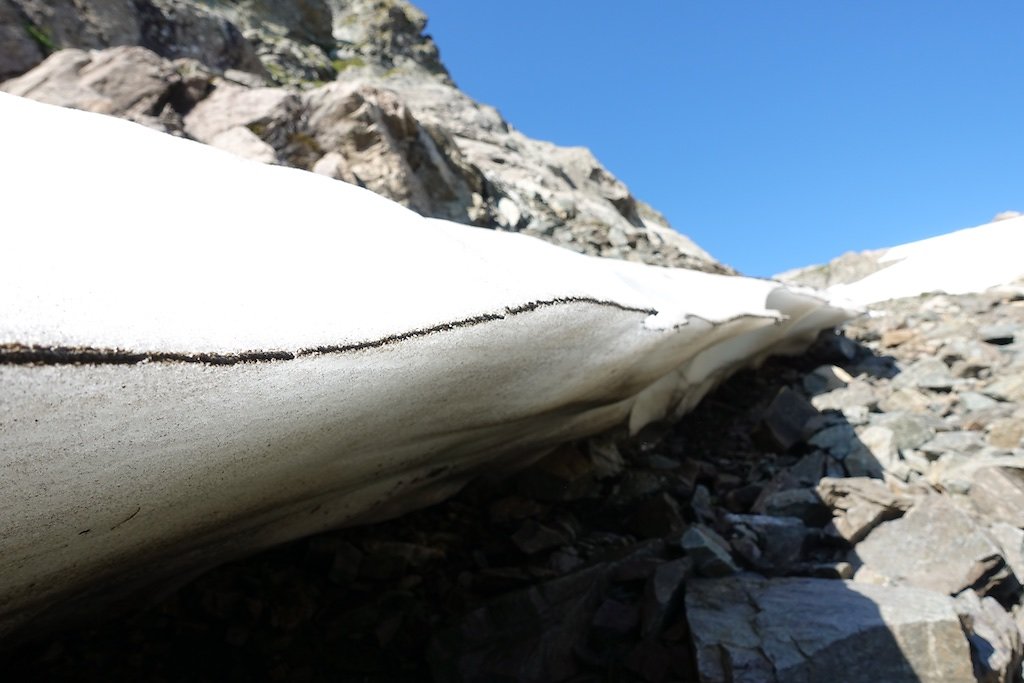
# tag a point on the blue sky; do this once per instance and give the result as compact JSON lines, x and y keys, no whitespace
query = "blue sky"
{"x":775,"y":133}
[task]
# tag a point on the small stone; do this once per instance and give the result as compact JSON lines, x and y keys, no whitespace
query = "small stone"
{"x":709,"y":551}
{"x":927,"y":373}
{"x":972,"y":401}
{"x":605,"y":458}
{"x":857,"y":393}
{"x":565,"y":475}
{"x":1005,"y":433}
{"x":513,"y":508}
{"x":614,"y":620}
{"x":998,"y":493}
{"x":533,"y":537}
{"x":826,"y":378}
{"x":905,"y":399}
{"x":838,"y":440}
{"x":956,"y":442}
{"x":909,"y":430}
{"x":781,"y":539}
{"x":892,"y":338}
{"x":650,"y":660}
{"x":802,"y":503}
{"x":999,"y":334}
{"x":996,"y":645}
{"x":785,"y":419}
{"x":860,"y":504}
{"x":1007,"y":388}
{"x":662,"y":594}
{"x":656,"y":517}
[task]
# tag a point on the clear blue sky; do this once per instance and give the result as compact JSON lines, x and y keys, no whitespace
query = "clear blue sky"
{"x":776,"y":133}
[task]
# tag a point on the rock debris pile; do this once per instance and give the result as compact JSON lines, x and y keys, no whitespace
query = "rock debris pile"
{"x":854,"y":514}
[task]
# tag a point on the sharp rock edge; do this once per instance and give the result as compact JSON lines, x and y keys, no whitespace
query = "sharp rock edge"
{"x":115,"y":476}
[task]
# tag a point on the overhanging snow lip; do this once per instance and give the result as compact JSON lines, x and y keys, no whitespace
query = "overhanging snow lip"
{"x":36,"y":354}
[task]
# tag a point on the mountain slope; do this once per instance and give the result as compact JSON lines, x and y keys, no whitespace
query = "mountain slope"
{"x":351,"y":89}
{"x":960,"y":262}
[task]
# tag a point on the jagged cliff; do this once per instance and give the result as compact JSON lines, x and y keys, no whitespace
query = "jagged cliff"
{"x":352,"y":89}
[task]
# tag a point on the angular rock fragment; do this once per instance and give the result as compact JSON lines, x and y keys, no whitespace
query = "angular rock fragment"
{"x":780,"y":539}
{"x":709,"y":551}
{"x":663,"y":593}
{"x":940,"y":548}
{"x":998,"y":493}
{"x":826,"y":378}
{"x":927,"y":373}
{"x":1009,"y":387}
{"x":785,"y":420}
{"x":748,"y":628}
{"x":995,"y":639}
{"x":860,"y":504}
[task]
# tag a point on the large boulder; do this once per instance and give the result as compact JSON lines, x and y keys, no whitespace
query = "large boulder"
{"x":788,"y":630}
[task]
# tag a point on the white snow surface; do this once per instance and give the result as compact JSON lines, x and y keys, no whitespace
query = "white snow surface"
{"x":414,"y":354}
{"x":961,"y":262}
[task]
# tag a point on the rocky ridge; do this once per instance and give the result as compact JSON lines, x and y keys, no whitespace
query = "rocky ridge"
{"x":753,"y":541}
{"x":351,"y":89}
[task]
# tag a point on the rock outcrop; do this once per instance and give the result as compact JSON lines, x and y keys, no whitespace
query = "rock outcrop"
{"x":351,"y":89}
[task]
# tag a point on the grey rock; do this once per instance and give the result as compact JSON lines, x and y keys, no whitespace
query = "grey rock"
{"x":999,"y":334}
{"x":849,"y":267}
{"x":708,"y":550}
{"x":1011,"y":540}
{"x":533,"y":537}
{"x":657,"y":516}
{"x":749,"y":628}
{"x":906,"y":399}
{"x":856,"y":393}
{"x":663,"y":594}
{"x":802,"y":503}
{"x":1005,"y":432}
{"x":876,"y":453}
{"x":994,"y":637}
{"x":21,"y":50}
{"x":838,"y":440}
{"x":956,"y":442}
{"x":973,"y":401}
{"x":998,"y":493}
{"x":781,"y":539}
{"x":941,"y":548}
{"x":926,"y":373}
{"x":614,"y":620}
{"x":129,"y":82}
{"x":786,"y":418}
{"x":860,"y":504}
{"x":909,"y":430}
{"x":565,"y":474}
{"x":267,"y":112}
{"x":528,"y":635}
{"x":1009,"y":387}
{"x":825,"y":378}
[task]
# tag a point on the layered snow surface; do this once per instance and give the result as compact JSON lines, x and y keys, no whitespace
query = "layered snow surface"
{"x":202,"y":356}
{"x":961,"y":262}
